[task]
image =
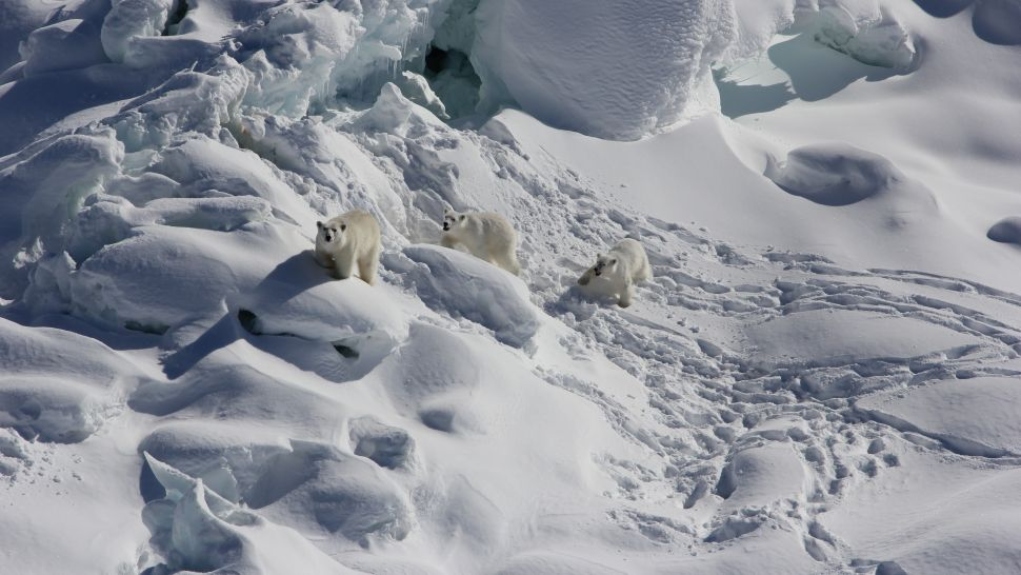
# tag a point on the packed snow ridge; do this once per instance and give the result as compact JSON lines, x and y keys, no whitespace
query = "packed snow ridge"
{"x":818,"y":376}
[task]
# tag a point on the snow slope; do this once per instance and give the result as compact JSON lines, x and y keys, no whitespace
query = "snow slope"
{"x":819,"y":378}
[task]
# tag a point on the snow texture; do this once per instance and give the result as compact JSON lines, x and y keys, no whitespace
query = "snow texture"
{"x":819,"y":376}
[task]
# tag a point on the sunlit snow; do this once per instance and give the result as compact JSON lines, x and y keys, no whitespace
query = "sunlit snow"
{"x":822,"y":375}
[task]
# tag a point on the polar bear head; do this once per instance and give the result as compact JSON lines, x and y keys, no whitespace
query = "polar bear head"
{"x":452,"y":220}
{"x":604,"y":265}
{"x":331,"y":231}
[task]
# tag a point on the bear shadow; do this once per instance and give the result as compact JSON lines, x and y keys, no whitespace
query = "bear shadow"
{"x":291,"y":277}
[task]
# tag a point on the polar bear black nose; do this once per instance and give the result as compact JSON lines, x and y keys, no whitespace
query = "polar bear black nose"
{"x":446,"y":227}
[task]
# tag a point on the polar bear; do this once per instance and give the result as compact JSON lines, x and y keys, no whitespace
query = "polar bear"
{"x":348,"y":240}
{"x":487,"y":236}
{"x":616,"y":272}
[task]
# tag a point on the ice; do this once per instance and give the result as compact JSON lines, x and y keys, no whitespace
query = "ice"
{"x":131,"y":19}
{"x":189,"y":101}
{"x":866,"y":31}
{"x":543,"y":56}
{"x":43,"y":191}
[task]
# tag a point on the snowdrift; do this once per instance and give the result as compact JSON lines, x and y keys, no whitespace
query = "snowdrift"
{"x":818,"y":377}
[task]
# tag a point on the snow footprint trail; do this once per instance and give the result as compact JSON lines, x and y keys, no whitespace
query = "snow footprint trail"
{"x":755,"y":365}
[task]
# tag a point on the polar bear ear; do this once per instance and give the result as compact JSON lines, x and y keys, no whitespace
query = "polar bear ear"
{"x":319,"y":225}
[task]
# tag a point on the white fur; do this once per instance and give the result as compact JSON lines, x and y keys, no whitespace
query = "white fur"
{"x":616,"y":272}
{"x":349,"y":240}
{"x":486,"y":235}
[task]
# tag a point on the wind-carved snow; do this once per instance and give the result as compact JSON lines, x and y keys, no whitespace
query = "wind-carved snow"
{"x":651,"y":60}
{"x":178,"y":364}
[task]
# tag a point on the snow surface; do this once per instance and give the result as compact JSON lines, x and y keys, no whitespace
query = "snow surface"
{"x":821,"y":376}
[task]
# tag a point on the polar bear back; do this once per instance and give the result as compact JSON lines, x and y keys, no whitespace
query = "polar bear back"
{"x":362,"y":229}
{"x":632,"y":255}
{"x":494,"y":230}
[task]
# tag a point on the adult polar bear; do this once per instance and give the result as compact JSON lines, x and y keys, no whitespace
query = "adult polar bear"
{"x":486,"y":235}
{"x":349,"y":240}
{"x":616,"y":272}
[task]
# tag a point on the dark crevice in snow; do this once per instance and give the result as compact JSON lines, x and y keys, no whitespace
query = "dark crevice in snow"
{"x":453,"y":79}
{"x":150,"y":487}
{"x":177,"y":15}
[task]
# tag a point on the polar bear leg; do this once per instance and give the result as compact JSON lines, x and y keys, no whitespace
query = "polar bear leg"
{"x":368,"y":265}
{"x":645,"y":273}
{"x":505,"y":258}
{"x":626,"y":295}
{"x":325,"y":260}
{"x":345,"y":267}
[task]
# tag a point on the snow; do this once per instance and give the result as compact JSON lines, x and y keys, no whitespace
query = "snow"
{"x":819,"y":377}
{"x":646,"y":81}
{"x":463,"y":285}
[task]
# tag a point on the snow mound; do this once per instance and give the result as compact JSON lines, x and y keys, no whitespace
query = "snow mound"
{"x":970,"y":416}
{"x":760,"y":474}
{"x":438,"y":376}
{"x":849,"y":336}
{"x":461,"y":284}
{"x":1007,"y":230}
{"x":299,"y":299}
{"x":595,"y":67}
{"x":995,"y":21}
{"x":57,"y":386}
{"x":52,"y":410}
{"x":195,"y":529}
{"x":963,"y":519}
{"x":836,"y":174}
{"x":64,"y":45}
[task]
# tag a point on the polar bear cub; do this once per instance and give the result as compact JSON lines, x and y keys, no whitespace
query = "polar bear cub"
{"x":616,"y":272}
{"x":486,"y":235}
{"x":349,"y":240}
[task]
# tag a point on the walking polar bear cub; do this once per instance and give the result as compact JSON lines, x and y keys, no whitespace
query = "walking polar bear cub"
{"x":349,"y":240}
{"x":616,"y":272}
{"x":486,"y":235}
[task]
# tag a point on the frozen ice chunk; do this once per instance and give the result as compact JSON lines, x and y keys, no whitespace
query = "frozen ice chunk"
{"x":129,"y":19}
{"x":872,"y":37}
{"x":598,"y":67}
{"x":188,"y":101}
{"x":42,"y":192}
